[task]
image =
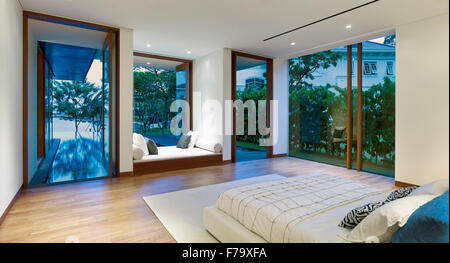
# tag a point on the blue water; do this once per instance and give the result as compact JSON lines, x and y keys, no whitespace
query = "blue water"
{"x":245,"y":154}
{"x":78,"y":157}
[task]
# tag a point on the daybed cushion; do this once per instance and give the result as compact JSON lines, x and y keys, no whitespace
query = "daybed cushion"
{"x":140,"y":142}
{"x":382,"y":223}
{"x":138,"y":153}
{"x":428,"y":224}
{"x":151,"y":146}
{"x":183,"y":142}
{"x":172,"y":152}
{"x":194,"y":138}
{"x":433,"y":188}
{"x":209,"y":145}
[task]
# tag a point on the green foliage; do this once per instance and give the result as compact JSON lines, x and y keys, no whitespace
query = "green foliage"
{"x":154,"y":91}
{"x":253,"y":93}
{"x":315,"y":110}
{"x":78,"y":102}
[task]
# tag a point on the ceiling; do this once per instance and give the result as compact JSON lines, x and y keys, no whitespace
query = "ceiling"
{"x":173,"y":27}
{"x":155,"y":63}
{"x":68,"y":35}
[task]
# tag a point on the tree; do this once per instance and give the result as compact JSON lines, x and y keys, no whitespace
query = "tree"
{"x":154,"y":91}
{"x":390,"y":40}
{"x":310,"y":103}
{"x":73,"y":100}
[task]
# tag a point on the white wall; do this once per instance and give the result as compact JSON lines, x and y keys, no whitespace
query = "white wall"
{"x":209,"y":89}
{"x":126,"y":100}
{"x":10,"y":101}
{"x":422,"y":101}
{"x":281,"y":94}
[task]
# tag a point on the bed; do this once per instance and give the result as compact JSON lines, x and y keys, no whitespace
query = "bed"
{"x":305,"y":208}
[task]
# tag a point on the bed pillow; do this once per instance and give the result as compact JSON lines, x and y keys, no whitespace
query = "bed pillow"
{"x":137,"y":152}
{"x":354,"y":217}
{"x":152,"y":148}
{"x":428,"y":224}
{"x":400,"y":193}
{"x":183,"y":142}
{"x":140,"y":142}
{"x":382,"y":223}
{"x":433,"y":188}
{"x":194,"y":138}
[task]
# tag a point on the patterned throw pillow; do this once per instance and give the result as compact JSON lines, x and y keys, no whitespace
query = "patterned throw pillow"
{"x":400,"y":193}
{"x":354,"y":217}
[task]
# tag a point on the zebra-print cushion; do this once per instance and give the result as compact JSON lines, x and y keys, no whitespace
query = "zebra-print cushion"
{"x":354,"y":217}
{"x":400,"y":193}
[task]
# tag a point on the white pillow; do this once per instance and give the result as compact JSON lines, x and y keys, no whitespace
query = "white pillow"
{"x":386,"y":220}
{"x":194,"y":138}
{"x":214,"y":147}
{"x":137,"y":152}
{"x":434,"y":188}
{"x":140,"y":142}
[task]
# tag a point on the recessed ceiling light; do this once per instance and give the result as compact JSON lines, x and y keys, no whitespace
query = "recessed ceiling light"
{"x":148,"y":45}
{"x":148,"y":63}
{"x":292,"y":43}
{"x":189,"y":52}
{"x":348,"y":26}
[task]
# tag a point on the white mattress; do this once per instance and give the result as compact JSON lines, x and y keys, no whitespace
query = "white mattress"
{"x":293,"y":209}
{"x":322,"y":228}
{"x":172,"y":152}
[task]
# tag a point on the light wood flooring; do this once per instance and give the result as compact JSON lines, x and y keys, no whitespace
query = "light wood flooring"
{"x":112,"y":210}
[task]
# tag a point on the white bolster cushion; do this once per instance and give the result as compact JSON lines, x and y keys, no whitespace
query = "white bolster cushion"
{"x":138,"y":153}
{"x":214,"y":147}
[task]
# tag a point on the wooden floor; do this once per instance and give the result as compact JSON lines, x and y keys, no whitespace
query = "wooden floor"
{"x":112,"y":210}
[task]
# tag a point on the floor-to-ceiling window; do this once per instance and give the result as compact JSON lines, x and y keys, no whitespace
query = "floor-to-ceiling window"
{"x":318,"y":106}
{"x":378,"y":105}
{"x":323,"y":106}
{"x":251,"y":87}
{"x":71,"y":101}
{"x":158,"y":83}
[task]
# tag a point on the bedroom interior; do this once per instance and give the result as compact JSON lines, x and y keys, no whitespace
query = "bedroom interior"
{"x":124,"y":125}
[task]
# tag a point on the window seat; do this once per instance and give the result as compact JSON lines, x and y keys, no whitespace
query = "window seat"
{"x":170,"y":158}
{"x":172,"y":152}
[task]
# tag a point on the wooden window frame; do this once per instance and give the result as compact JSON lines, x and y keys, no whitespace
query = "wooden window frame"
{"x":269,"y":97}
{"x":69,"y":22}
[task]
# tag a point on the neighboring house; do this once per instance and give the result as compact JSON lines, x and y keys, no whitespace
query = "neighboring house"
{"x":378,"y":63}
{"x":256,"y":81}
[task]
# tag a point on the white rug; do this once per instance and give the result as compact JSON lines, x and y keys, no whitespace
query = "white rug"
{"x":181,"y":212}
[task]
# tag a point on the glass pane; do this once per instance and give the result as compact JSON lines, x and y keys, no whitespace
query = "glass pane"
{"x":378,"y":125}
{"x":318,"y":106}
{"x":157,"y":83}
{"x":106,"y":94}
{"x":251,"y":87}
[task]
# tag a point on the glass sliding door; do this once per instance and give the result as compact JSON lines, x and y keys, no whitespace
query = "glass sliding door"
{"x":378,"y":105}
{"x":342,"y":106}
{"x":251,"y":88}
{"x":106,"y":108}
{"x":318,"y":107}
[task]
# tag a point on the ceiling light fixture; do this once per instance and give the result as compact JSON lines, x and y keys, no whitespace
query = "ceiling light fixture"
{"x":148,"y":45}
{"x":189,"y":52}
{"x":292,"y":43}
{"x":348,"y":26}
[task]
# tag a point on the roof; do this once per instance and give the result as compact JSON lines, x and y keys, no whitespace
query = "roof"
{"x":69,"y":62}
